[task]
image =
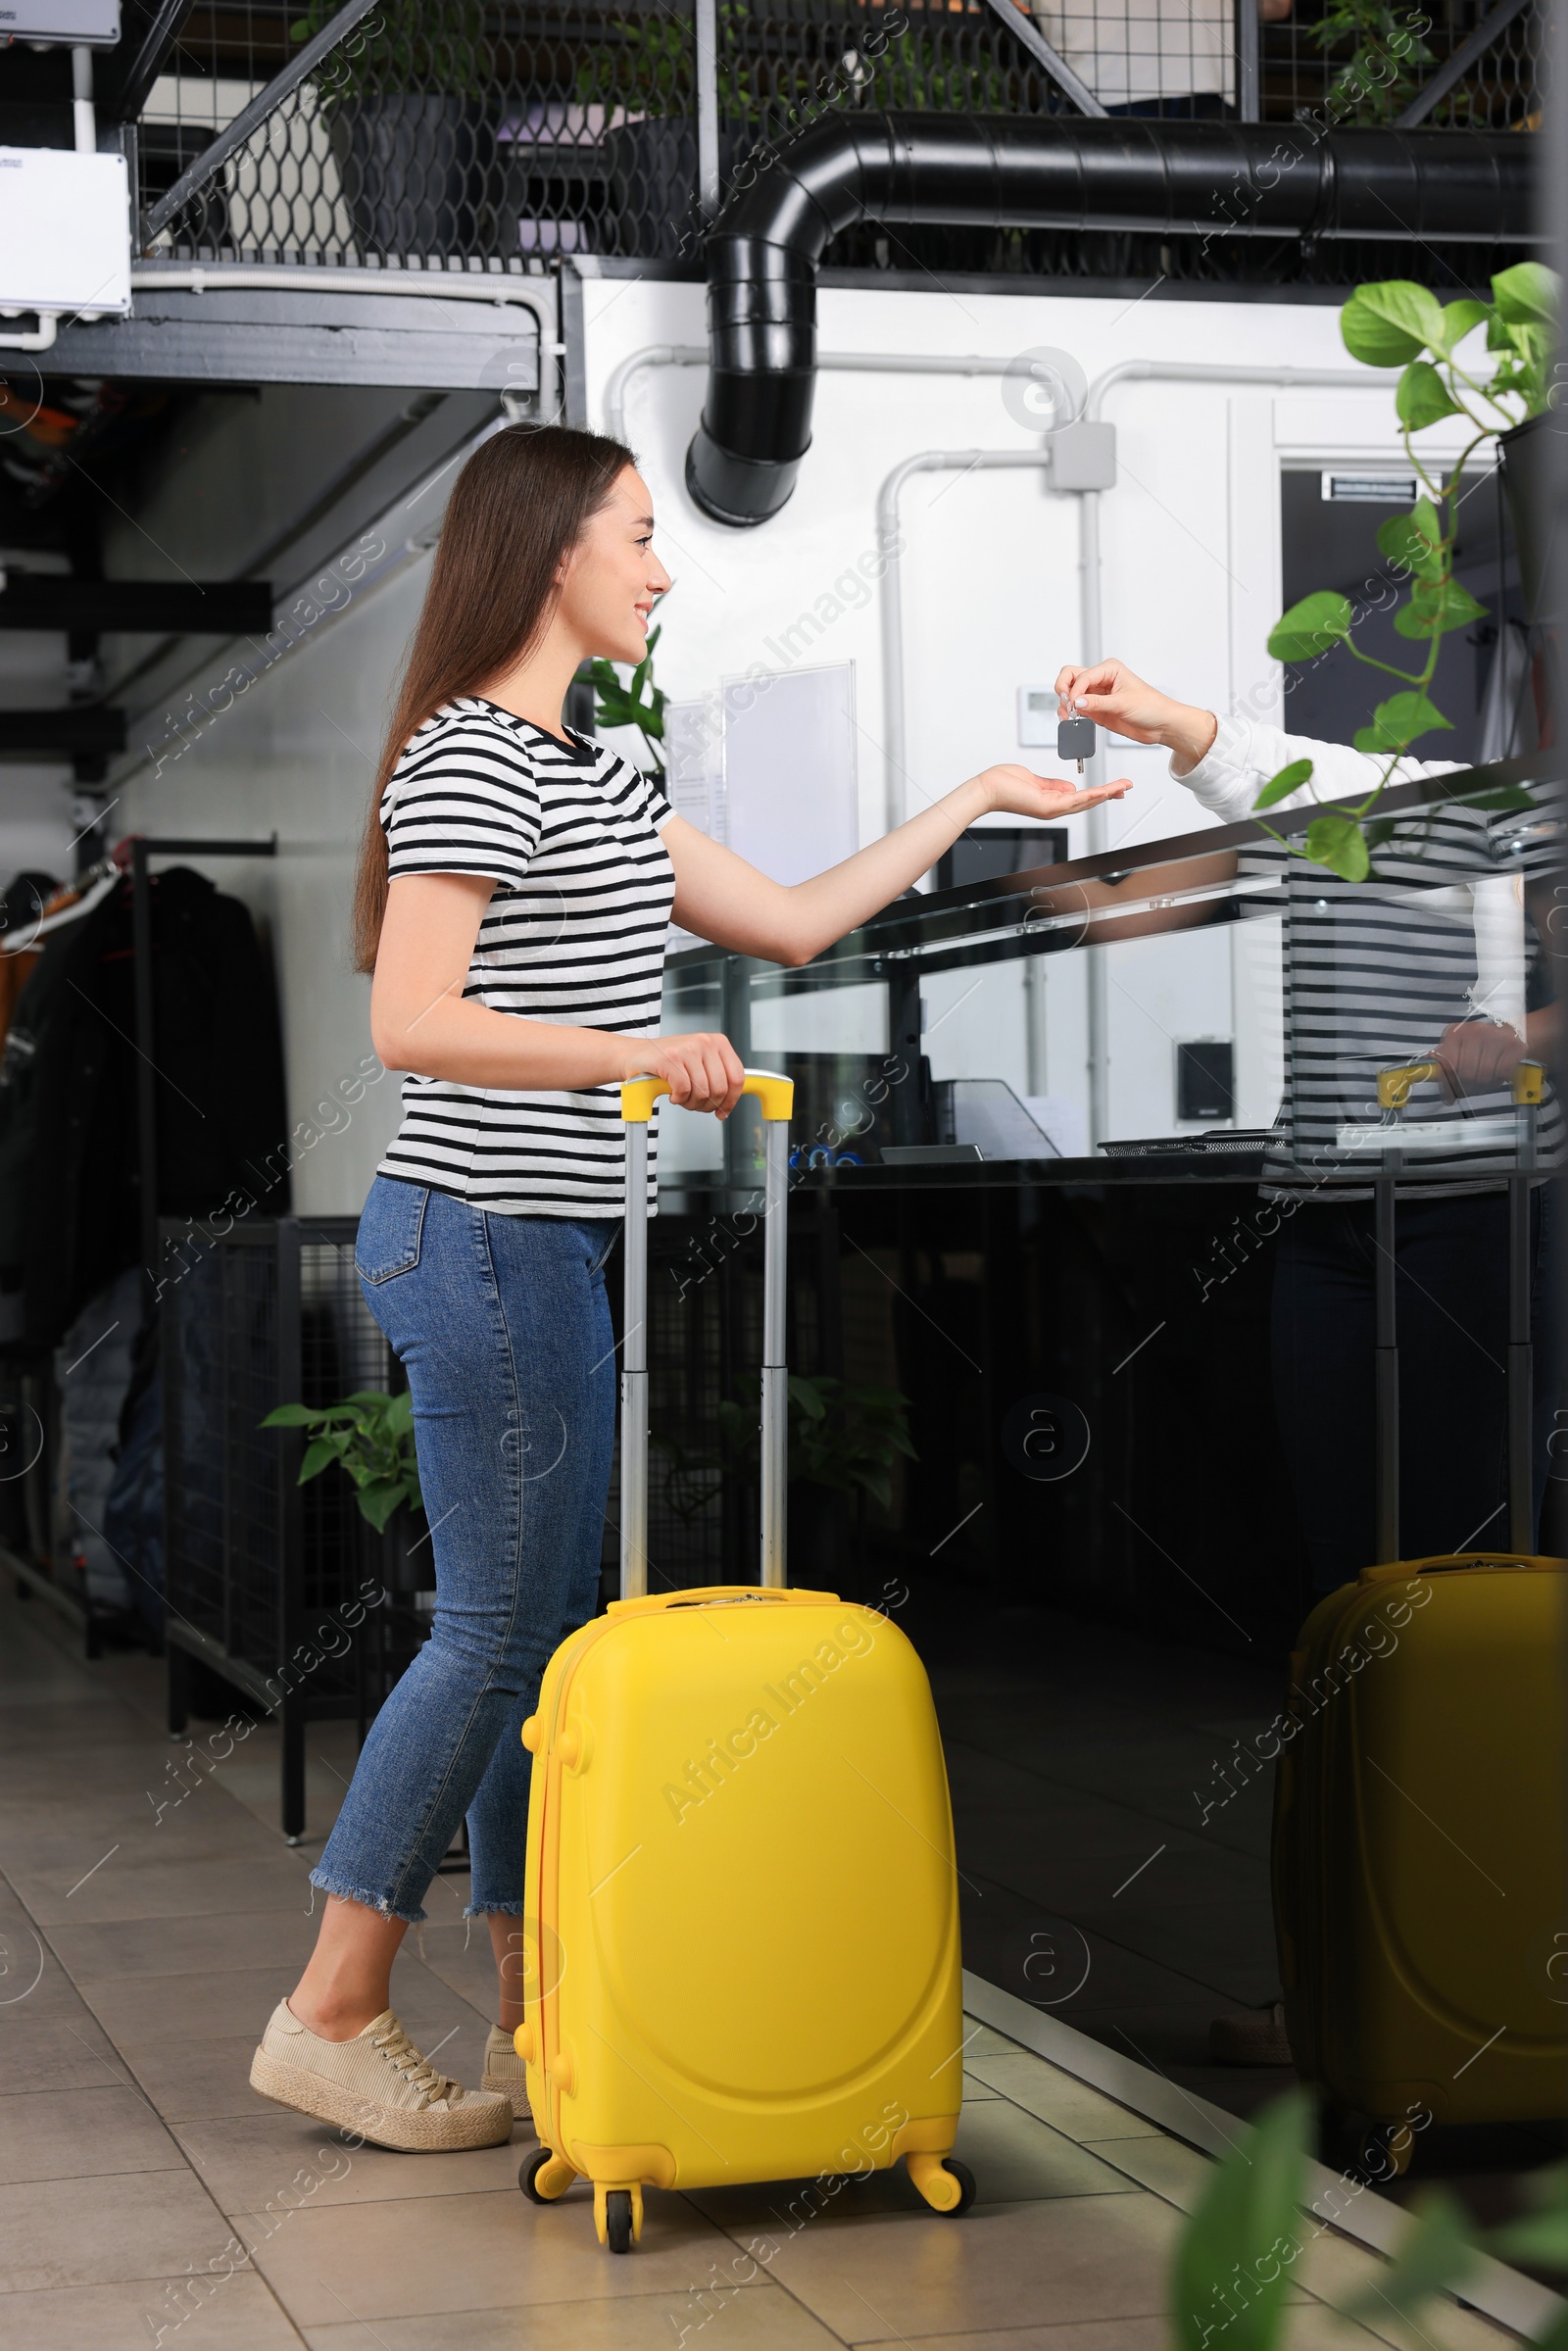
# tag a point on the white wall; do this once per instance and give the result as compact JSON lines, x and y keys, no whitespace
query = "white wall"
{"x":1190,"y":588}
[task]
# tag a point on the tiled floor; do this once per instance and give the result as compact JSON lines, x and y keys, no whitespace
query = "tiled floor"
{"x":148,"y":2197}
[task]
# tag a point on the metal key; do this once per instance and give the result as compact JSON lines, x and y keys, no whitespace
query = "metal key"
{"x":1075,"y":740}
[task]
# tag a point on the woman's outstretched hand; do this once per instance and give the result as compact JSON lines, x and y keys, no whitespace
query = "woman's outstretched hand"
{"x":703,"y":1070}
{"x":1019,"y":791}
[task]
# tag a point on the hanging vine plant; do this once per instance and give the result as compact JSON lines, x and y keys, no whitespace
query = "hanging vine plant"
{"x":1495,"y":386}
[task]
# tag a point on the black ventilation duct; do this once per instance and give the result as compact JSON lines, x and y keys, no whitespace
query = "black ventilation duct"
{"x":1006,"y":171}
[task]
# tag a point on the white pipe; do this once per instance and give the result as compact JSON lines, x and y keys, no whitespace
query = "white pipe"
{"x":848,"y":363}
{"x":83,"y":119}
{"x":43,"y":340}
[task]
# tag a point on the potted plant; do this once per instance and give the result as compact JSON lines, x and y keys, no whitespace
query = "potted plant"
{"x":845,"y":1437}
{"x":639,"y":704}
{"x":369,"y":1436}
{"x":1387,"y":59}
{"x":1500,"y":391}
{"x":405,"y":104}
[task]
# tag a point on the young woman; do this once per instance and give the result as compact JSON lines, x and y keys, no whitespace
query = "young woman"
{"x":514,"y":892}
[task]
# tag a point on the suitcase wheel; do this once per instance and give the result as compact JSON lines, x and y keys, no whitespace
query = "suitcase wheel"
{"x":1373,"y":2153}
{"x":1386,"y":2150}
{"x":946,"y":2184}
{"x":617,"y":2215}
{"x":544,"y":2176}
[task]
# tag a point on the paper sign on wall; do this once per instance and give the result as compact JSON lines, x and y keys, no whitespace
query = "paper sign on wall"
{"x":790,"y":784}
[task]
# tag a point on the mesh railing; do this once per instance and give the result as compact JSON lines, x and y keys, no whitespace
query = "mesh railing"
{"x":237,"y":1571}
{"x":452,"y":132}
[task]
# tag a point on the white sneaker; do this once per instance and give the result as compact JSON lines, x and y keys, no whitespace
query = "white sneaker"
{"x":376,"y":2084}
{"x":505,"y":2072}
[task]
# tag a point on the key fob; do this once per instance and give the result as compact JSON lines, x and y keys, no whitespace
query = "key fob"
{"x":1075,"y":739}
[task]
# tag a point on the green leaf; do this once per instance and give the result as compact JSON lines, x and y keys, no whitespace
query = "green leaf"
{"x":1337,"y":841}
{"x":1378,"y":830}
{"x":317,"y":1456}
{"x":378,"y":1502}
{"x":1513,"y":797}
{"x":1385,"y":325}
{"x":1415,"y":539}
{"x":1435,"y":607}
{"x":1528,"y":292}
{"x":1398,"y":722}
{"x":1461,"y":318}
{"x":1432,"y":2256}
{"x":1539,"y":2238}
{"x":1422,"y":398}
{"x":1280,"y":787}
{"x":1233,"y":2266}
{"x":291,"y":1416}
{"x":1310,"y":627}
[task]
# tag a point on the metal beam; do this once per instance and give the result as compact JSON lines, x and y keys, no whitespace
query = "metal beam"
{"x":134,"y":87}
{"x":1249,"y":63}
{"x":227,"y":607}
{"x":249,"y":118}
{"x":1432,"y":92}
{"x":91,"y":727}
{"x":1034,"y":41}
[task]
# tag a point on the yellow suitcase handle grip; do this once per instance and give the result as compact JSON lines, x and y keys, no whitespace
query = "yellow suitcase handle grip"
{"x":775,"y":1094}
{"x":706,"y":1596}
{"x":1393,"y":1085}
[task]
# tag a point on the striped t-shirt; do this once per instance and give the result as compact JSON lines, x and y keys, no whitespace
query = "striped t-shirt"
{"x":574,"y":932}
{"x":1374,"y":972}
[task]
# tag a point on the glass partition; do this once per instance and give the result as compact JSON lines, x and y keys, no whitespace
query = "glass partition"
{"x":1186,"y":1211}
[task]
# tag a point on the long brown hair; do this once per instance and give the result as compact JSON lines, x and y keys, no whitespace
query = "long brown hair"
{"x":520,"y":504}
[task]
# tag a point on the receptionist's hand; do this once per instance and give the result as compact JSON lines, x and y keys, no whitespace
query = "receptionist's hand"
{"x":1019,"y":791}
{"x":1113,"y":697}
{"x":1477,"y":1056}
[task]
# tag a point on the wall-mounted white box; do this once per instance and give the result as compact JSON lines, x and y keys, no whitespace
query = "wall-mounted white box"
{"x":86,"y":23}
{"x":65,"y":233}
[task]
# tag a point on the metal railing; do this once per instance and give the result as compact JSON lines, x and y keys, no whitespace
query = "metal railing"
{"x":454,"y":132}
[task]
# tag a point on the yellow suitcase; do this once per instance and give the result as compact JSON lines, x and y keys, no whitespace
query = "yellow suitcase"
{"x":740,"y":1910}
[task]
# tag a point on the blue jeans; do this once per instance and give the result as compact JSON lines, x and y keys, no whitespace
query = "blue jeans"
{"x":503,"y":1326}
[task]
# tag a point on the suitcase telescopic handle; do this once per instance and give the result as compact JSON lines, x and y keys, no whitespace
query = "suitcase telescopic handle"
{"x":637,"y":1098}
{"x":1394,"y":1093}
{"x":1394,"y":1085}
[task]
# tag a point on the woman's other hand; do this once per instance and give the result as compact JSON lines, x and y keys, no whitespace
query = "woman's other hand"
{"x":1019,"y":791}
{"x":1113,"y":697}
{"x":703,"y":1070}
{"x":1477,"y":1056}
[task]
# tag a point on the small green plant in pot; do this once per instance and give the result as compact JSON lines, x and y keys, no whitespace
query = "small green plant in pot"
{"x":639,"y":703}
{"x":1387,"y":57}
{"x":845,"y":1438}
{"x":1397,"y":323}
{"x":370,"y":1437}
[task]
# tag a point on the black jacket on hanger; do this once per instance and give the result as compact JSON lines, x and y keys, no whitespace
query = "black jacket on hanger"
{"x":70,"y":1189}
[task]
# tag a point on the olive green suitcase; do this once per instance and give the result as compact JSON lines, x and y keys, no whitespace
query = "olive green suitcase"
{"x":1420,"y":1848}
